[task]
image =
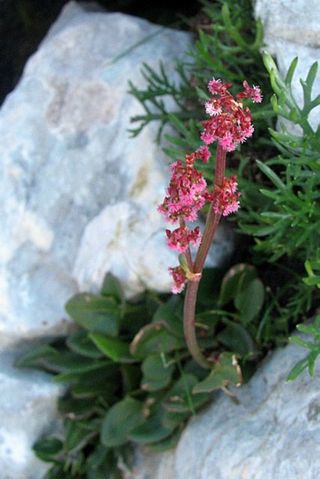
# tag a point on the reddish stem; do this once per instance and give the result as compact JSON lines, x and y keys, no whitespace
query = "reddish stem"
{"x":190,"y":301}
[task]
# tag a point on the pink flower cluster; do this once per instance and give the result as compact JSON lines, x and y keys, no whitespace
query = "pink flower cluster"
{"x":230,"y":122}
{"x":225,"y":198}
{"x":185,"y":192}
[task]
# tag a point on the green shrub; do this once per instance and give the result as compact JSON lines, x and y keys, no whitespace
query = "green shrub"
{"x":130,"y":376}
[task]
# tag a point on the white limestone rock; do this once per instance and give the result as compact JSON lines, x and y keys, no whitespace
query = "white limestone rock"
{"x":274,"y":433}
{"x":292,"y":29}
{"x":28,"y":403}
{"x":78,"y":197}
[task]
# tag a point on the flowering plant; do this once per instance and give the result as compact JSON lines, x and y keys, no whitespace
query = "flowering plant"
{"x":229,"y":124}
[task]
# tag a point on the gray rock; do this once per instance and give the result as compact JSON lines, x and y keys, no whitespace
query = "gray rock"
{"x":78,"y":196}
{"x":28,"y":404}
{"x":296,"y":22}
{"x":292,"y":29}
{"x":274,"y":433}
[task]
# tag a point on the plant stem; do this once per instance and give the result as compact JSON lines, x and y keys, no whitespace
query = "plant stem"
{"x":189,"y":324}
{"x":190,"y":301}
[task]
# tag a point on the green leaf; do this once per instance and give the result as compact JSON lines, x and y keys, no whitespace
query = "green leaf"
{"x":168,"y":443}
{"x":273,"y":177}
{"x":113,"y":348}
{"x":120,"y":420}
{"x":76,"y":435}
{"x":290,"y":72}
{"x":260,"y":230}
{"x":209,"y":287}
{"x":98,"y":456}
{"x":298,"y":369}
{"x":312,"y":357}
{"x":269,"y":62}
{"x":249,"y":300}
{"x":131,"y":377}
{"x":80,"y":371}
{"x":173,"y":419}
{"x":180,"y":399}
{"x":309,"y":329}
{"x":274,"y":103}
{"x":48,"y":448}
{"x":102,"y":464}
{"x":154,"y":338}
{"x":225,"y":371}
{"x":300,"y":342}
{"x":92,"y":390}
{"x":171,"y":314}
{"x":237,"y":339}
{"x":230,"y":283}
{"x":152,"y":430}
{"x":73,"y":363}
{"x":175,"y":140}
{"x":80,"y":343}
{"x":52,"y":360}
{"x":37,"y":357}
{"x":79,"y":408}
{"x":311,"y":78}
{"x":112,"y":287}
{"x":156,"y":374}
{"x":95,"y":313}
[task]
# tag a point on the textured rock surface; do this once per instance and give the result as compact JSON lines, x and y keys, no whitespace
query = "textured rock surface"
{"x":78,"y":197}
{"x":292,"y":29}
{"x":273,"y":434}
{"x":27,"y":408}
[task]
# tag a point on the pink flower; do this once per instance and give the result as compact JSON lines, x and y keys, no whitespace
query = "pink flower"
{"x":246,"y":133}
{"x":179,"y":279}
{"x":180,"y":238}
{"x":231,"y":207}
{"x":230,"y":185}
{"x":217,"y":87}
{"x":214,"y":86}
{"x":203,"y":153}
{"x":230,"y":122}
{"x":227,"y":143}
{"x":252,"y":92}
{"x":185,"y":194}
{"x":212,"y":107}
{"x":207,"y":137}
{"x":225,"y":198}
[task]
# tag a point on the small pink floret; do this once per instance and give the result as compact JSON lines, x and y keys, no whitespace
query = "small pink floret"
{"x":256,"y":95}
{"x":252,"y":92}
{"x":231,"y":207}
{"x":203,"y":153}
{"x":207,"y":137}
{"x":214,"y":86}
{"x":226,"y":142}
{"x":179,"y":279}
{"x":225,"y":199}
{"x":212,"y":109}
